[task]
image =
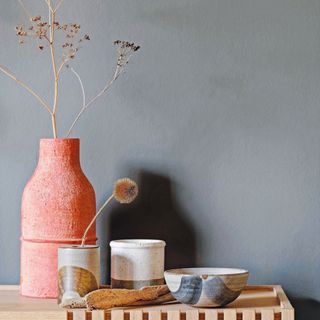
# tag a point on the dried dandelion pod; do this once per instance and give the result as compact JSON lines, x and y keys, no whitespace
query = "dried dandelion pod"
{"x":125,"y":190}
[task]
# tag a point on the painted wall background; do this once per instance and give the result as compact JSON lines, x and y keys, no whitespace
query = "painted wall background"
{"x":217,"y":117}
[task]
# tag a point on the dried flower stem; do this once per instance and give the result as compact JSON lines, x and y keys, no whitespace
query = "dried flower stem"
{"x":54,"y":68}
{"x":24,"y":85}
{"x":25,"y":9}
{"x":94,"y":219}
{"x":125,"y":49}
{"x":58,"y":5}
{"x":45,"y":32}
{"x":64,"y":61}
{"x":116,"y":74}
{"x":48,"y":2}
{"x":81,"y":85}
{"x":41,"y":35}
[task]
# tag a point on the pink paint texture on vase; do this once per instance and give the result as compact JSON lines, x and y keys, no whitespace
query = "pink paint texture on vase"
{"x":58,"y":203}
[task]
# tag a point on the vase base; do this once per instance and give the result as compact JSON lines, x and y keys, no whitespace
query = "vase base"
{"x":39,"y":269}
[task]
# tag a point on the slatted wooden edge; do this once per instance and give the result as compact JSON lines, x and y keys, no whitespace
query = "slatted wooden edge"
{"x":222,"y":314}
{"x":255,"y":303}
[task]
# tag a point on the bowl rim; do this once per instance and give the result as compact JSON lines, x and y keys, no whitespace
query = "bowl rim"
{"x":177,"y":272}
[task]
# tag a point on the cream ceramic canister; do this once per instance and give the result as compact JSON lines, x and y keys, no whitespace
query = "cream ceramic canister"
{"x":78,"y":273}
{"x":136,"y":263}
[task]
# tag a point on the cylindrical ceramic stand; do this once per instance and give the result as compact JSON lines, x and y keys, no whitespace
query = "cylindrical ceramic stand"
{"x":78,"y":272}
{"x":136,"y":263}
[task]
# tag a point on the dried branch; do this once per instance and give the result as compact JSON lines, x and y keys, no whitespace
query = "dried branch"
{"x":24,"y":85}
{"x":81,"y":85}
{"x":58,"y":5}
{"x":54,"y":68}
{"x":48,"y":2}
{"x":86,"y":106}
{"x":64,"y":61}
{"x":26,"y":11}
{"x":125,"y":50}
{"x":45,"y":30}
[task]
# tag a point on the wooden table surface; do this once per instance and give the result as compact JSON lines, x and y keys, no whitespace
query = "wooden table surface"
{"x":255,"y":302}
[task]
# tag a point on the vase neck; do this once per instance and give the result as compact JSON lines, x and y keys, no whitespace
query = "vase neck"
{"x":59,"y":151}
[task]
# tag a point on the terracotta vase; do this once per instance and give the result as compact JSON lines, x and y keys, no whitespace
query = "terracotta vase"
{"x":58,"y":203}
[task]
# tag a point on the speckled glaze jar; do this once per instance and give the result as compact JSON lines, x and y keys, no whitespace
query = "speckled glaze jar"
{"x":136,"y":263}
{"x":78,"y":273}
{"x":58,"y":203}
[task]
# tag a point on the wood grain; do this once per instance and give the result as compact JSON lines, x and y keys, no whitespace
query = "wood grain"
{"x":211,"y":314}
{"x":248,"y":315}
{"x":257,"y":302}
{"x":192,"y":314}
{"x":109,"y":298}
{"x":230,"y":314}
{"x":154,"y":315}
{"x":267,"y":314}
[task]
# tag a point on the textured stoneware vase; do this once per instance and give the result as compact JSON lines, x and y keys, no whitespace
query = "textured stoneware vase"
{"x":58,"y":203}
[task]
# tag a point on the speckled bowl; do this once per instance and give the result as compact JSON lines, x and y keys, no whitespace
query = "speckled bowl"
{"x":206,"y":287}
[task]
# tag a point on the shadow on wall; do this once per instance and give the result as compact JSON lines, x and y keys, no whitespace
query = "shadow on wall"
{"x":306,"y":309}
{"x":155,"y":215}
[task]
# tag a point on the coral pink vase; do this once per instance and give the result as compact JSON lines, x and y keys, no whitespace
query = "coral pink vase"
{"x":58,"y":203}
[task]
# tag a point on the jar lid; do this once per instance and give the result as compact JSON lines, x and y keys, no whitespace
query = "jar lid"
{"x":137,"y":243}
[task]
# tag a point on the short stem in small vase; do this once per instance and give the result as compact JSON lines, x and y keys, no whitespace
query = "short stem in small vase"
{"x":94,"y":219}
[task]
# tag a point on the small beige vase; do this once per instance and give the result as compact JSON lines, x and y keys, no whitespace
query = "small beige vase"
{"x":78,"y":273}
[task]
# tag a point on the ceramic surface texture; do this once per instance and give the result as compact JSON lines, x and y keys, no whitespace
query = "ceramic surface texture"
{"x":78,"y":272}
{"x":206,"y":287}
{"x":136,"y":263}
{"x":58,"y":203}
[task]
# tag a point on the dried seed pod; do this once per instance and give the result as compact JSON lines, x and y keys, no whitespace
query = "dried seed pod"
{"x":35,"y":18}
{"x":125,"y":190}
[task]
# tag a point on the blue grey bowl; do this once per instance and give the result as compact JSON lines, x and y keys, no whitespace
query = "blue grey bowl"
{"x":206,"y":287}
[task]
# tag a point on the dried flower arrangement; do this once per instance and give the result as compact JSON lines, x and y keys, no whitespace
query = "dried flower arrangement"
{"x":44,"y":32}
{"x":125,"y":191}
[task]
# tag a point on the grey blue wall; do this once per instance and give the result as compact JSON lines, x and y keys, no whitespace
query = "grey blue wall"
{"x":218,"y":118}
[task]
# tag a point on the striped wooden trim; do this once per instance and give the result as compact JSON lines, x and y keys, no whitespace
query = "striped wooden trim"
{"x":275,"y":307}
{"x":193,"y":314}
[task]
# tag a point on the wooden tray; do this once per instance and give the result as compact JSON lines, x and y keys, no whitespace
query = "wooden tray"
{"x":254,"y":303}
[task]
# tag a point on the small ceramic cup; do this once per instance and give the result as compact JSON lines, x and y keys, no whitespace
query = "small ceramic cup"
{"x":78,"y":273}
{"x":136,"y":263}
